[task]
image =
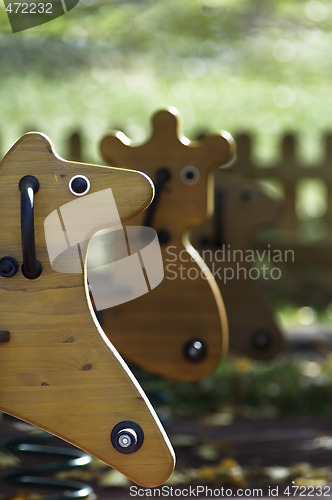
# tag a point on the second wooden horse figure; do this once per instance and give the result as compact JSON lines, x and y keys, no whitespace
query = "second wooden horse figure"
{"x":178,"y":329}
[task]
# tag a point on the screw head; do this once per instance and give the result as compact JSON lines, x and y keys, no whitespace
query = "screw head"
{"x":127,"y":437}
{"x":195,"y":350}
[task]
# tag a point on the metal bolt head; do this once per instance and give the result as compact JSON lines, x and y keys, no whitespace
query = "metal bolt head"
{"x":127,"y":437}
{"x":8,"y":266}
{"x":195,"y":350}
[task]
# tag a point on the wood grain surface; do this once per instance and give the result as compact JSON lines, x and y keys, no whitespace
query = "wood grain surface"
{"x":59,"y":371}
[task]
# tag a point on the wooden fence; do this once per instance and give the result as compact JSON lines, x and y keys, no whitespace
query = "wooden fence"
{"x":312,"y":248}
{"x":307,"y":280}
{"x":288,"y":171}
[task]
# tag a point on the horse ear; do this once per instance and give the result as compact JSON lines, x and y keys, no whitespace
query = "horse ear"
{"x":218,"y":148}
{"x":30,"y":147}
{"x":116,"y":141}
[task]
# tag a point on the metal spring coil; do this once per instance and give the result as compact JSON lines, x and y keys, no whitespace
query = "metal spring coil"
{"x":30,"y":476}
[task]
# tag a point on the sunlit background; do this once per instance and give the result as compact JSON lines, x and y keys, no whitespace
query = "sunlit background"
{"x":225,"y":64}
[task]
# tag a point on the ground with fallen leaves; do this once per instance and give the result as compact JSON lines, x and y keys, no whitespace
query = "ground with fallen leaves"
{"x":248,"y":426}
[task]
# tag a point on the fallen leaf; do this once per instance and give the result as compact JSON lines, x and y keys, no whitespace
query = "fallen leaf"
{"x":207,"y":451}
{"x":184,"y":440}
{"x":219,"y":419}
{"x":277,"y":473}
{"x":309,"y":481}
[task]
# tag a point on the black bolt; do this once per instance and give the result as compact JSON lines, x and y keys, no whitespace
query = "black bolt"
{"x":195,"y":350}
{"x":8,"y":266}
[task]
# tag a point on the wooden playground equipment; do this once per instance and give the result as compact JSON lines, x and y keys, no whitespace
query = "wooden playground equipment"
{"x":179,"y":329}
{"x":58,"y":369}
{"x":61,"y":370}
{"x":193,"y":211}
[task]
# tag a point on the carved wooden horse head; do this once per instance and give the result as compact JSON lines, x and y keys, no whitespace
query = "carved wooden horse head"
{"x":241,"y":207}
{"x":58,"y":369}
{"x":179,"y":328}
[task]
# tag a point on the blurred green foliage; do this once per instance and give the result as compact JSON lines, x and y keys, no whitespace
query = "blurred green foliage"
{"x":236,"y":65}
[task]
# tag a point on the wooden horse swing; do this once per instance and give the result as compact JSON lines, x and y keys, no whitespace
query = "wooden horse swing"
{"x":179,"y":330}
{"x":58,"y":369}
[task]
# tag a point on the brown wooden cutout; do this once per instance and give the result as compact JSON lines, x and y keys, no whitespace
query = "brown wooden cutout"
{"x":241,"y":207}
{"x":179,"y":328}
{"x":58,"y":369}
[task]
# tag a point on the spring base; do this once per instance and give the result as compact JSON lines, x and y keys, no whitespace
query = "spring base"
{"x":33,"y":476}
